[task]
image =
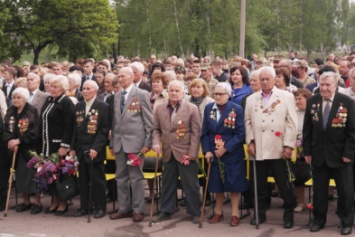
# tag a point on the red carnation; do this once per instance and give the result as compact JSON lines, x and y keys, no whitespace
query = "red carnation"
{"x":218,"y":137}
{"x":278,"y":133}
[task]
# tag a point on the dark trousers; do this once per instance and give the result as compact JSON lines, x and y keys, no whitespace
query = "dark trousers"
{"x":98,"y":185}
{"x":279,"y":170}
{"x":5,"y":165}
{"x":188,"y":174}
{"x":343,"y":177}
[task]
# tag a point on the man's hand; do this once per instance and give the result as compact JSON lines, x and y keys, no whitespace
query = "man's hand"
{"x":209,"y":157}
{"x":62,"y":151}
{"x":287,"y":153}
{"x":346,"y":160}
{"x":92,"y":154}
{"x":145,"y":149}
{"x":157,"y":150}
{"x":308,"y":159}
{"x":12,"y":143}
{"x":72,"y":153}
{"x":251,"y":149}
{"x":220,"y":152}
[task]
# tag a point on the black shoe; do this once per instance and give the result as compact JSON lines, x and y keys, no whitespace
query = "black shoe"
{"x":315,"y":227}
{"x":80,"y":213}
{"x":36,"y":209}
{"x":345,"y":230}
{"x":163,"y":216}
{"x":183,"y":203}
{"x":261,"y":220}
{"x":60,"y":213}
{"x":330,"y":197}
{"x":99,"y":214}
{"x":23,"y":207}
{"x":244,"y":206}
{"x":49,"y":211}
{"x":288,"y":224}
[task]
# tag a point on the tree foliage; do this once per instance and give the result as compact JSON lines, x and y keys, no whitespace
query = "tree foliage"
{"x":77,"y":27}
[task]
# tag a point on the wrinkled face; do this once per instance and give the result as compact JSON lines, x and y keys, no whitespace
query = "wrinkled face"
{"x":206,"y":74}
{"x":89,"y":91}
{"x":56,"y":89}
{"x":125,"y":78}
{"x":267,"y":81}
{"x":108,"y":84}
{"x":47,"y":86}
{"x":236,"y":77}
{"x":220,"y":95}
{"x":344,"y":68}
{"x":157,"y":85}
{"x":32,"y":83}
{"x":301,"y":102}
{"x":197,"y":90}
{"x":327,"y":87}
{"x":254,"y":83}
{"x":175,"y":93}
{"x":137,"y":74}
{"x":18,"y":101}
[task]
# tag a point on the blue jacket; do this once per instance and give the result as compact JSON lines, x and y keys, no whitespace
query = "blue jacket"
{"x":233,"y":137}
{"x":237,"y":98}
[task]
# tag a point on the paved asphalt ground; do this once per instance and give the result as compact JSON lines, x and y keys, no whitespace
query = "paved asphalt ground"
{"x":48,"y":225}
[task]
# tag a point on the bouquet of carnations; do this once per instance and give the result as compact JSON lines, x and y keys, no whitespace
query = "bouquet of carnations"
{"x":134,"y":160}
{"x":47,"y":169}
{"x":69,"y":165}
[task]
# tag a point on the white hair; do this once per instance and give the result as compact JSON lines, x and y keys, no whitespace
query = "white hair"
{"x":75,"y":77}
{"x":255,"y":73}
{"x":48,"y":77}
{"x":226,"y":86}
{"x":138,"y":65}
{"x":178,"y":83}
{"x":331,"y":75}
{"x":171,"y":75}
{"x":268,"y":69}
{"x":23,"y":92}
{"x":92,"y":83}
{"x":128,"y":69}
{"x":35,"y":76}
{"x":63,"y":81}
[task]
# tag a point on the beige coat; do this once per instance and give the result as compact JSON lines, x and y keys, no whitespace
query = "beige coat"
{"x":202,"y":106}
{"x":262,"y":123}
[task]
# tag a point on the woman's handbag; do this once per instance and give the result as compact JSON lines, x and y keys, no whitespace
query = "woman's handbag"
{"x":67,"y":188}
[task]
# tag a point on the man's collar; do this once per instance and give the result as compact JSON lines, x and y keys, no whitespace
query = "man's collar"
{"x":178,"y":104}
{"x":90,"y":102}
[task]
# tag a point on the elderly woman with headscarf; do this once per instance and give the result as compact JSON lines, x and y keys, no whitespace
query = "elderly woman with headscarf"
{"x":222,"y":139}
{"x":20,"y":135}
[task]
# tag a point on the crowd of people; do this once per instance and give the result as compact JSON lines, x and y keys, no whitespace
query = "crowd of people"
{"x":177,"y":107}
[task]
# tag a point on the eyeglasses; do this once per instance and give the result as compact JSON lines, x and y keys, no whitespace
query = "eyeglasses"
{"x":219,"y":94}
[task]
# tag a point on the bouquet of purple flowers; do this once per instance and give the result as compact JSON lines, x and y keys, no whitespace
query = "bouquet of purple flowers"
{"x":47,"y":169}
{"x":69,"y":165}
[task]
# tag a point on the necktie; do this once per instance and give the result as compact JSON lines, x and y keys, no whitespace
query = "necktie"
{"x":173,"y":114}
{"x":326,"y":114}
{"x":123,"y":100}
{"x":31,"y":98}
{"x":87,"y":78}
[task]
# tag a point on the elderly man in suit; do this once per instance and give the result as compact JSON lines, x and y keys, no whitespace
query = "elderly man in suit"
{"x":328,"y":142}
{"x":270,"y":122}
{"x":131,"y":135}
{"x":177,"y":126}
{"x":37,"y":97}
{"x":89,"y":143}
{"x":138,"y":70}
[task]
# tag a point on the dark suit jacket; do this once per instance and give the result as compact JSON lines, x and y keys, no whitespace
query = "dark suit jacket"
{"x":145,"y":86}
{"x":83,"y":79}
{"x":294,"y":81}
{"x":78,"y":95}
{"x":312,"y":86}
{"x":8,"y":95}
{"x":335,"y":142}
{"x":85,"y":137}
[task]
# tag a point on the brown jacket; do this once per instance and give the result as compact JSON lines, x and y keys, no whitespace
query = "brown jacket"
{"x":165,"y":131}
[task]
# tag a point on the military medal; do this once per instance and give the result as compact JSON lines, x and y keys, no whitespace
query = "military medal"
{"x":180,"y":131}
{"x":23,"y":125}
{"x":230,"y":120}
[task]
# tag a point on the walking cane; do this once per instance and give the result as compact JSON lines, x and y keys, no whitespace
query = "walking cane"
{"x":154,"y":180}
{"x":256,"y":206}
{"x":10,"y":182}
{"x":90,"y":192}
{"x":204,"y":195}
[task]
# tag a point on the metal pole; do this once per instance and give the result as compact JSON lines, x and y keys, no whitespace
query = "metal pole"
{"x":242,"y":29}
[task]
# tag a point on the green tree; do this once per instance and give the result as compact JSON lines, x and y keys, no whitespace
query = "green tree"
{"x":77,"y":27}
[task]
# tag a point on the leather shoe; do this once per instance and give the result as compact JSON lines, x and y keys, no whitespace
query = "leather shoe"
{"x":36,"y":209}
{"x":118,"y":215}
{"x":196,"y":219}
{"x":288,"y":224}
{"x":261,"y":220}
{"x":24,"y":207}
{"x":163,"y":216}
{"x":216,"y":218}
{"x":234,"y":221}
{"x":99,"y":214}
{"x":80,"y":213}
{"x":138,"y":217}
{"x":345,"y":230}
{"x":315,"y":227}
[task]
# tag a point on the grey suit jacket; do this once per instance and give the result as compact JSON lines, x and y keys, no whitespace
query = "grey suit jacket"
{"x":38,"y":100}
{"x":132,"y":129}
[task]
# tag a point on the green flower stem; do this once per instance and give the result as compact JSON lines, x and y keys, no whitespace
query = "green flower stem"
{"x":221,"y":170}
